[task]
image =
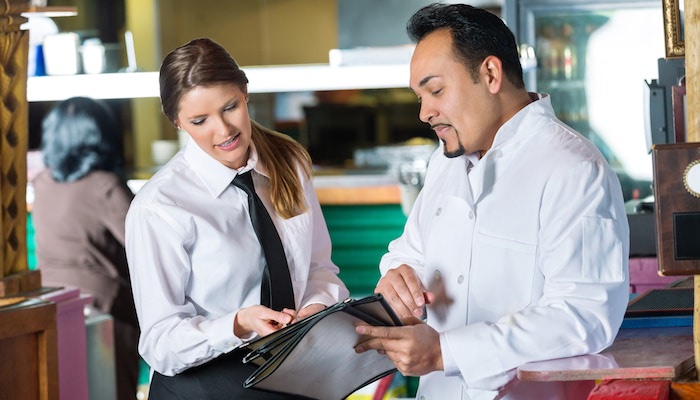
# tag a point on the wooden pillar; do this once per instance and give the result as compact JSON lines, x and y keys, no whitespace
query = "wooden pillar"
{"x":14,"y":45}
{"x":692,"y":82}
{"x":692,"y":68}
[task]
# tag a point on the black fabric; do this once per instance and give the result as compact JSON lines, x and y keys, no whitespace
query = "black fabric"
{"x":277,"y":292}
{"x":219,"y":379}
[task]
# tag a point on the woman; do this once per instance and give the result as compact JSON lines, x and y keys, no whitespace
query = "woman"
{"x":195,"y":260}
{"x":80,"y":204}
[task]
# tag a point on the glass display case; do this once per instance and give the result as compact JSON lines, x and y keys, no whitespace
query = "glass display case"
{"x":593,"y":57}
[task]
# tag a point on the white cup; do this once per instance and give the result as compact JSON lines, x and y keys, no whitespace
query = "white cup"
{"x":93,"y":53}
{"x":163,"y":150}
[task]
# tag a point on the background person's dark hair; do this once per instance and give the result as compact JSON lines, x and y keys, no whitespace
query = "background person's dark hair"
{"x":79,"y":136}
{"x":476,"y":34}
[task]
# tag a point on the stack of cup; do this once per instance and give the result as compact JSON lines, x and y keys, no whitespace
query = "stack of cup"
{"x":163,"y":150}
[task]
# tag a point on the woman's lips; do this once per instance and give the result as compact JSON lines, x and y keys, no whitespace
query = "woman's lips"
{"x":229,"y":144}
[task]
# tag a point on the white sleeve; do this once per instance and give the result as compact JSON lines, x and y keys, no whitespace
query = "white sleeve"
{"x":173,"y":337}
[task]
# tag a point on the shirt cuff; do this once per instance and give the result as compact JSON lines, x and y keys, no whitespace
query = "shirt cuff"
{"x":221,"y":334}
{"x":448,"y":361}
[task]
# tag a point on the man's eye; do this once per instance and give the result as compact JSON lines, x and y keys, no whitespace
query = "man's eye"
{"x":231,"y":107}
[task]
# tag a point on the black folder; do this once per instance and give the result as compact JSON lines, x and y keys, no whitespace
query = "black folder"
{"x":316,"y":358}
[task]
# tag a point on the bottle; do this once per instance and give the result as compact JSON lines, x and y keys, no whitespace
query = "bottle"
{"x":568,"y":52}
{"x":568,"y":57}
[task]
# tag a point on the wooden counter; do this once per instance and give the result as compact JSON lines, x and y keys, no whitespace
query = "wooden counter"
{"x":357,"y":189}
{"x":363,"y":195}
{"x":343,"y":189}
{"x":638,"y":353}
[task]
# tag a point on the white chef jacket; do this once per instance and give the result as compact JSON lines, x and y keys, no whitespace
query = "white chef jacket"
{"x":527,"y":253}
{"x":195,"y":260}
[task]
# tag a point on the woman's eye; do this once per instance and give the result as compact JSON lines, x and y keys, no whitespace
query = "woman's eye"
{"x":197,"y":122}
{"x":436,"y":92}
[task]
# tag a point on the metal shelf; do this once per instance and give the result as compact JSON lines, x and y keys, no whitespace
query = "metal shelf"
{"x":272,"y":79}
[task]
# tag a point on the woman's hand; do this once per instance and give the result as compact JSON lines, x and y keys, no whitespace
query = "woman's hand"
{"x":309,"y":310}
{"x":261,"y":320}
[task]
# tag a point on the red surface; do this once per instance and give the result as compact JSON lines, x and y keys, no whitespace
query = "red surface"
{"x":631,"y":390}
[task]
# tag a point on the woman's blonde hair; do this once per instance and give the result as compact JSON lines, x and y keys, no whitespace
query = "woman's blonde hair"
{"x":283,"y":157}
{"x":203,"y":62}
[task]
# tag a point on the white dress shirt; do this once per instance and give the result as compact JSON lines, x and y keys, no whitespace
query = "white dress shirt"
{"x":526,"y":250}
{"x":195,"y":260}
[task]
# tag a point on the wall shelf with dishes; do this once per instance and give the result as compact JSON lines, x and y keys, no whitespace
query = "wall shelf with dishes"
{"x":264,"y":79}
{"x":51,"y":11}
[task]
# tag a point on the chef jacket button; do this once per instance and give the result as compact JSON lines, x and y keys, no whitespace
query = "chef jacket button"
{"x":471,"y":214}
{"x":436,"y":275}
{"x":438,"y":211}
{"x":460,"y":279}
{"x":497,"y":154}
{"x":228,"y":344}
{"x":422,"y":398}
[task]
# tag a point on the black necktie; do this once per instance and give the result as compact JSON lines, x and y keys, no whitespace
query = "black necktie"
{"x":276,"y":291}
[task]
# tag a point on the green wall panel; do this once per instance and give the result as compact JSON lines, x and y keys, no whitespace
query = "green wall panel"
{"x":360,"y":236}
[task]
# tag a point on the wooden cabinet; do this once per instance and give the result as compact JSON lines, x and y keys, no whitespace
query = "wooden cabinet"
{"x":28,"y":351}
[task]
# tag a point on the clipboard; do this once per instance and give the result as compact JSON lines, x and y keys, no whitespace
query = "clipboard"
{"x":316,"y":358}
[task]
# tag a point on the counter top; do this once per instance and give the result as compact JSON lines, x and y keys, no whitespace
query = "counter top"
{"x":343,"y":189}
{"x":357,"y":189}
{"x":648,"y":353}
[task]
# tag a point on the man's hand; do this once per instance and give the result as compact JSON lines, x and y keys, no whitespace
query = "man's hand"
{"x":414,"y":349}
{"x":405,"y":292}
{"x":261,"y":320}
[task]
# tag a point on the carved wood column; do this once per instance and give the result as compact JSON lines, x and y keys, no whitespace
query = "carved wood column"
{"x":692,"y":69}
{"x":14,"y":43}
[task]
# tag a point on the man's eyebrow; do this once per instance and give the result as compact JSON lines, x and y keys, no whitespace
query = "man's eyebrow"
{"x":425,"y":80}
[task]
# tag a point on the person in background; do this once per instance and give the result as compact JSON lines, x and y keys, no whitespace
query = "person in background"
{"x":195,"y":260}
{"x":80,"y":205}
{"x":516,"y":248}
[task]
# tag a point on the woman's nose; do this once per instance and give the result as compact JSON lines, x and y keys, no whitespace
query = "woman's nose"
{"x":224,"y":126}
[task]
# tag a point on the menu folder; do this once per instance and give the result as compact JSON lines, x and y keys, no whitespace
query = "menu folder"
{"x":316,"y":358}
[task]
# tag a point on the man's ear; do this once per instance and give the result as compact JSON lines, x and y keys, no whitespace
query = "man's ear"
{"x":492,"y":72}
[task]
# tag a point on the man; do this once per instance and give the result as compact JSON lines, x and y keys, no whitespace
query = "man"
{"x":517,"y":245}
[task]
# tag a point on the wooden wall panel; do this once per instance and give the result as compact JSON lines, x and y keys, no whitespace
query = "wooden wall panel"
{"x":13,"y":137}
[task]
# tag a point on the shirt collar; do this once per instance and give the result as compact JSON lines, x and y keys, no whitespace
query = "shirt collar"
{"x":541,"y":104}
{"x":215,"y":175}
{"x":473,"y":159}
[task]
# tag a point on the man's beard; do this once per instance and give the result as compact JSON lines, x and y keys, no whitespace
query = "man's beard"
{"x":460,"y":151}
